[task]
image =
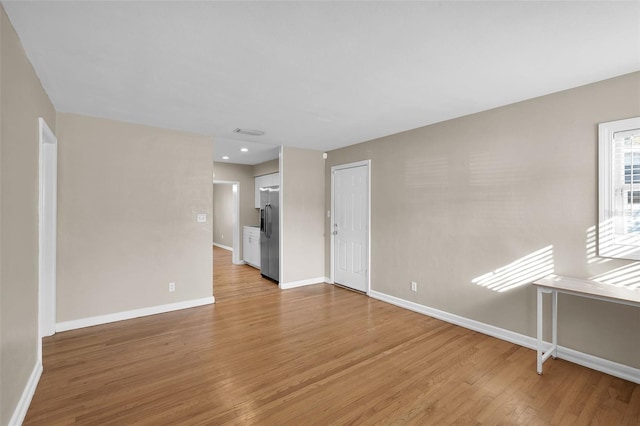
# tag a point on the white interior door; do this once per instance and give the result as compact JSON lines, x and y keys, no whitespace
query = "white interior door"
{"x":47,"y":229}
{"x":351,"y":226}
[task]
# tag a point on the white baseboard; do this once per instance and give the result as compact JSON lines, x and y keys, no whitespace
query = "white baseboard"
{"x":223,"y":247}
{"x":136,"y":313}
{"x":600,"y":364}
{"x":294,"y":284}
{"x":27,"y":395}
{"x":328,"y":280}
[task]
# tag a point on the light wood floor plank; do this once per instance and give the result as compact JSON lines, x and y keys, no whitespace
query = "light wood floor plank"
{"x":312,"y":355}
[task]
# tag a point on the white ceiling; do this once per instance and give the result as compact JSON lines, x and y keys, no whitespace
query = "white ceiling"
{"x":317,"y":75}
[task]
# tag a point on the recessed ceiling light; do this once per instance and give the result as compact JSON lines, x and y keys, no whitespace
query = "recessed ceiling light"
{"x":244,"y":149}
{"x":225,"y":157}
{"x":249,"y":132}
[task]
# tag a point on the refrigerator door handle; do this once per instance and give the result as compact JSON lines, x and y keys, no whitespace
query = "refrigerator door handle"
{"x":262,"y":213}
{"x":266,"y":220}
{"x":267,"y":225}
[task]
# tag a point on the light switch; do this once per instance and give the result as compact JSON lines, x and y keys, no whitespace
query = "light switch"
{"x":202,"y":217}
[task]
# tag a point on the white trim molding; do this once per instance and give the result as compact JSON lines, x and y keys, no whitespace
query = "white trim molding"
{"x":47,"y":208}
{"x":135,"y":313}
{"x":600,"y":364}
{"x":301,"y":283}
{"x":223,"y":247}
{"x":27,"y":395}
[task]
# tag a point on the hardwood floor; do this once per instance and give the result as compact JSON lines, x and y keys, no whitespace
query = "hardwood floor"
{"x":312,"y":355}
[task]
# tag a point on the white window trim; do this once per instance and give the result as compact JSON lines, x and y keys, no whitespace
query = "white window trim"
{"x":607,"y":244}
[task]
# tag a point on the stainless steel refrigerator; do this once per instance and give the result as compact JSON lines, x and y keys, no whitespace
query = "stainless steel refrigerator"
{"x":270,"y":232}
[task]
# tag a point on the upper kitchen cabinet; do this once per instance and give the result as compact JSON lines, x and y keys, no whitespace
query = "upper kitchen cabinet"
{"x":272,"y":179}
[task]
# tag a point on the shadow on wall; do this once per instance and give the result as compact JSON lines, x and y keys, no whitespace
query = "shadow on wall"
{"x":540,"y":263}
{"x":616,"y":245}
{"x":592,"y":246}
{"x":625,"y":276}
{"x":519,"y":272}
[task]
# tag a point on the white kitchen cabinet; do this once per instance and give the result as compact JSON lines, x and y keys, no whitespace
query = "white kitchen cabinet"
{"x":261,"y":181}
{"x":272,"y":179}
{"x":251,"y":246}
{"x":275,"y":179}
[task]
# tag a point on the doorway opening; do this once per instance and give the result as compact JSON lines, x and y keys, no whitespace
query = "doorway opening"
{"x":350,"y":230}
{"x":226,"y":220}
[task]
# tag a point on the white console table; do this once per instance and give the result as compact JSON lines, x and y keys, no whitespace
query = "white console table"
{"x":555,"y":284}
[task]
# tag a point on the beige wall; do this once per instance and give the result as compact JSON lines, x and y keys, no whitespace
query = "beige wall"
{"x":22,"y":101}
{"x":223,"y":214}
{"x":459,"y":199}
{"x":128,"y":196}
{"x":267,"y":167}
{"x":302,"y":213}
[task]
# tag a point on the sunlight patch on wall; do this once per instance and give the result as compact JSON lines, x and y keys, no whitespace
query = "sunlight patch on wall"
{"x":519,"y":272}
{"x":626,"y":276}
{"x":592,"y":246}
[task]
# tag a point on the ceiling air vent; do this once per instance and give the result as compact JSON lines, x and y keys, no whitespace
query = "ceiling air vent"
{"x":249,"y":132}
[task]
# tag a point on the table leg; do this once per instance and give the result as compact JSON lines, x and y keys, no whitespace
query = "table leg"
{"x":554,"y":324}
{"x":539,"y":331}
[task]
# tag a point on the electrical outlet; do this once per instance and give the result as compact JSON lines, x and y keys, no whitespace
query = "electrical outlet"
{"x":414,"y":286}
{"x":172,"y":287}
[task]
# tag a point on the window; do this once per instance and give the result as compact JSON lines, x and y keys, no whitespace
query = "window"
{"x":632,"y":167}
{"x":619,"y":189}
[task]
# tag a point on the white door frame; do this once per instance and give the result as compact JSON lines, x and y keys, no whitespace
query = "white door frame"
{"x":47,"y":229}
{"x":235,"y":257}
{"x":367,"y":164}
